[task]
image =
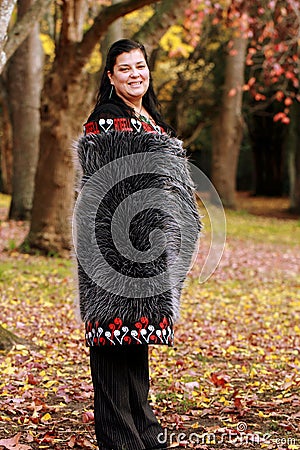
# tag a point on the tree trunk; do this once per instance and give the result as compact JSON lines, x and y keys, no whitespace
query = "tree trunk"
{"x":228,"y":126}
{"x":62,"y":118}
{"x":114,"y":33}
{"x":5,"y":147}
{"x":294,"y":158}
{"x":24,"y":88}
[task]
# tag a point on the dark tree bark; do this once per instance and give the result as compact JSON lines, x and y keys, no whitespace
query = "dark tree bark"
{"x":5,"y":146}
{"x":228,"y":126}
{"x":24,"y":84}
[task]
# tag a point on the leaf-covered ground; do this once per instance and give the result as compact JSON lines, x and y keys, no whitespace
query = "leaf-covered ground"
{"x":231,"y":381}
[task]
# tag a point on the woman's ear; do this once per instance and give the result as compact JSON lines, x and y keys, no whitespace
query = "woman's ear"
{"x":109,"y":76}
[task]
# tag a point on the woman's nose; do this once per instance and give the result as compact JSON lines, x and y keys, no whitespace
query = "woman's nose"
{"x":134,"y":72}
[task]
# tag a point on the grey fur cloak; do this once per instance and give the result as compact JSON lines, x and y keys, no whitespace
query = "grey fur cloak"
{"x":136,"y":227}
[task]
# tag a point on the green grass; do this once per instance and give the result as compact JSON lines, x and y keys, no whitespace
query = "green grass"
{"x":33,"y":267}
{"x":245,"y":226}
{"x":262,"y":229}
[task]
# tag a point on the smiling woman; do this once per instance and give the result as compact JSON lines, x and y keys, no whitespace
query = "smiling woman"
{"x":129,"y":283}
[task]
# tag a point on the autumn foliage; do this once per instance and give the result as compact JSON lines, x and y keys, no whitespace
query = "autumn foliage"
{"x":272,"y":29}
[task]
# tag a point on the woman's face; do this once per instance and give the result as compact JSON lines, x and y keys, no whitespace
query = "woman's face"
{"x":130,"y":75}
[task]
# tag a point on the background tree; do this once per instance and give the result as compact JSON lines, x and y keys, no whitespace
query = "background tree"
{"x":227,"y":131}
{"x":268,"y":143}
{"x":5,"y":144}
{"x":24,"y":83}
{"x":9,"y":42}
{"x":114,"y":32}
{"x":166,"y":14}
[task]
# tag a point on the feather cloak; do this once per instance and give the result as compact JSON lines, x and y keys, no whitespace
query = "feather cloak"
{"x":136,"y":226}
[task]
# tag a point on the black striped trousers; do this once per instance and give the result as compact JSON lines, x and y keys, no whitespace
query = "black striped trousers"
{"x":124,"y":419}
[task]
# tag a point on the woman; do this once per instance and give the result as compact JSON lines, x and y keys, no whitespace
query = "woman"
{"x":123,"y":319}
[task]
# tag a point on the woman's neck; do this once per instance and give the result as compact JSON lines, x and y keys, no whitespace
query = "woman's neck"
{"x":136,"y":104}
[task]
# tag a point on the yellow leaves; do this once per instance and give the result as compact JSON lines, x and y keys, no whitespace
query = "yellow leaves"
{"x":48,"y":45}
{"x":46,"y":417}
{"x":152,"y":397}
{"x":204,"y":401}
{"x":95,"y":61}
{"x":262,"y":414}
{"x":172,"y":42}
{"x":179,"y":396}
{"x":50,"y":383}
{"x":213,"y":46}
{"x":137,"y":18}
{"x":8,"y":371}
{"x":253,"y":372}
{"x":21,"y":349}
{"x":272,"y":356}
{"x":224,"y":400}
{"x":5,"y":419}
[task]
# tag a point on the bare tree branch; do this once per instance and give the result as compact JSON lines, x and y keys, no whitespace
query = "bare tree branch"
{"x":101,"y":23}
{"x":22,"y":29}
{"x":188,"y":141}
{"x":167,"y":13}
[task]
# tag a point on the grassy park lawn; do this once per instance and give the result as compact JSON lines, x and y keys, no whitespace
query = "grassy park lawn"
{"x":231,"y":381}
